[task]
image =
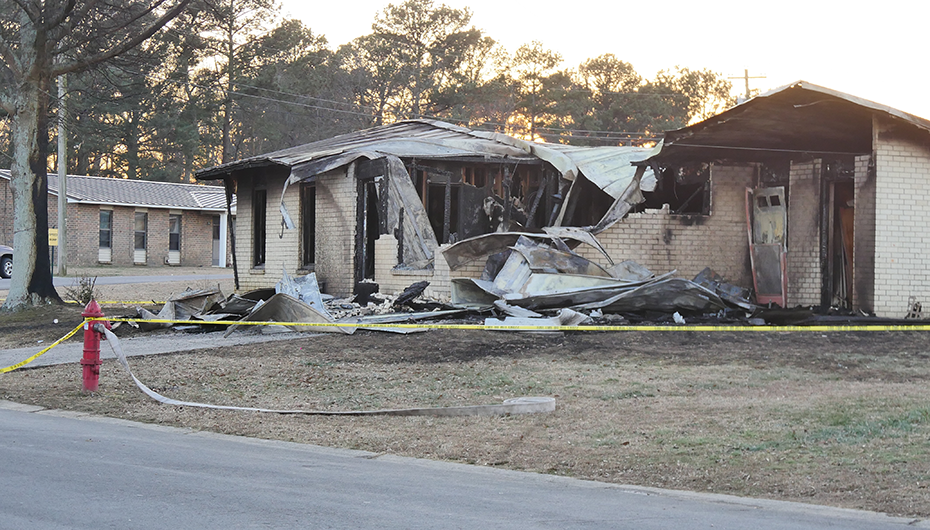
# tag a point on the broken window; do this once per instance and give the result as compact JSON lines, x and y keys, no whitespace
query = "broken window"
{"x":308,"y":224}
{"x":686,"y":190}
{"x":259,"y":205}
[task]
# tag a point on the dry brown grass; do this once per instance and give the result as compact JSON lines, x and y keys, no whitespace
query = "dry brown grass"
{"x":841,"y":419}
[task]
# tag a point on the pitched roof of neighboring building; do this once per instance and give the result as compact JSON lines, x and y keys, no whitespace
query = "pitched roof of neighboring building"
{"x":139,"y":193}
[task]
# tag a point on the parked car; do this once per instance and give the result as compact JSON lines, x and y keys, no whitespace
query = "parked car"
{"x":6,"y":261}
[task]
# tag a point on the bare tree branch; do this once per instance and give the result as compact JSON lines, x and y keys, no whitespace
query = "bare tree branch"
{"x":67,"y":30}
{"x":56,"y":20}
{"x":116,"y":50}
{"x":67,"y":26}
{"x":31,"y":10}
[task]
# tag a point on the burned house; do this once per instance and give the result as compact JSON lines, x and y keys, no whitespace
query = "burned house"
{"x":381,"y":204}
{"x":803,"y":195}
{"x":810,"y":196}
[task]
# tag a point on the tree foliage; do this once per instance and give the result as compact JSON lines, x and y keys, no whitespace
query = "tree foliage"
{"x":231,"y":79}
{"x":40,"y":40}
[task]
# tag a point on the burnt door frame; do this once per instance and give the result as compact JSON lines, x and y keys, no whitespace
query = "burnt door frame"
{"x":830,"y":177}
{"x":371,"y":215}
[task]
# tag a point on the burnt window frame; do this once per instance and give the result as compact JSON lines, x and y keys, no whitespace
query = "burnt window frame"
{"x":259,"y":227}
{"x":308,"y":225}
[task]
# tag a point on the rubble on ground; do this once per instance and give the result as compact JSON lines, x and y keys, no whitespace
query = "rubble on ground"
{"x":529,"y":281}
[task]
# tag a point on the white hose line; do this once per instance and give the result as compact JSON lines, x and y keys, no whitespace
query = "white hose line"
{"x":521,"y":405}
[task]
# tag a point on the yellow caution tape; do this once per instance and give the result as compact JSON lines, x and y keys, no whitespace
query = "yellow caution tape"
{"x":36,"y":356}
{"x":683,"y":327}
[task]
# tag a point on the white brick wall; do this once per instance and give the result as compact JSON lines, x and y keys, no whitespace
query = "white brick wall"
{"x":335,"y":239}
{"x":902,"y":194}
{"x":805,"y":279}
{"x":336,"y":205}
{"x":393,"y":281}
{"x":663,"y":242}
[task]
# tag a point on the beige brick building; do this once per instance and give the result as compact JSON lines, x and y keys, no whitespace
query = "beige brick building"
{"x":382,"y":204}
{"x":856,"y":181}
{"x":808,"y":196}
{"x":127,"y":223}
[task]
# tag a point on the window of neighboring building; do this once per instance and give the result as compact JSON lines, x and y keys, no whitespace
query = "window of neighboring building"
{"x":308,"y":224}
{"x":105,"y":237}
{"x":259,"y":201}
{"x":141,"y":230}
{"x":106,"y":228}
{"x":174,"y":232}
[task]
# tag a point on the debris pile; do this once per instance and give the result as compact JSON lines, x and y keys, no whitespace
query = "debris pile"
{"x":294,"y":302}
{"x":533,"y":276}
{"x":529,"y":280}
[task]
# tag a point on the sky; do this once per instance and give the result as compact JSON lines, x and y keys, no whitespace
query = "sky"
{"x":871,"y":50}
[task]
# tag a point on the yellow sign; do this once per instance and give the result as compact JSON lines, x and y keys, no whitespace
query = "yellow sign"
{"x":53,"y":237}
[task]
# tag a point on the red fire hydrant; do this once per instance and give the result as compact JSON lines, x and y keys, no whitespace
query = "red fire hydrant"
{"x":92,"y":338}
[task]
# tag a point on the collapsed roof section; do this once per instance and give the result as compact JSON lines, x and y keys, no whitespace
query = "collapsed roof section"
{"x":417,"y":155}
{"x":799,"y":119}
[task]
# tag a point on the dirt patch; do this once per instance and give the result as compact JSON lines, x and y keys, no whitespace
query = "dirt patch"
{"x":839,"y":419}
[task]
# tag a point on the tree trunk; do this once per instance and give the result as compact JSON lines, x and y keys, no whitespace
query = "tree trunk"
{"x":32,"y":276}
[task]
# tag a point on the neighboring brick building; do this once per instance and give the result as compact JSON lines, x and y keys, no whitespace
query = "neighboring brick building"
{"x":134,"y":222}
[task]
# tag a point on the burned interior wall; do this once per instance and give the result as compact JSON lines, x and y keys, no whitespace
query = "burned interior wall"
{"x":902,"y":193}
{"x":467,"y":198}
{"x":805,"y":278}
{"x":662,"y":241}
{"x":864,"y":258}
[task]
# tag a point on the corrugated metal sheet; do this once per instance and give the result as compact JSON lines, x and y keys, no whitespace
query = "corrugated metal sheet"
{"x":414,"y":138}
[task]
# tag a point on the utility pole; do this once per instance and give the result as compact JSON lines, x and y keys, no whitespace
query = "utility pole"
{"x":62,"y":180}
{"x":747,"y":78}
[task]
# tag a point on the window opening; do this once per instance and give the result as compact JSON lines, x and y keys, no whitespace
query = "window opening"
{"x":308,"y":224}
{"x":174,"y":233}
{"x":259,"y":206}
{"x":141,"y":231}
{"x":106,"y":229}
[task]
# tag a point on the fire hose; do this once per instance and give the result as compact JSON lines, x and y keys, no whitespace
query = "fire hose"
{"x":521,"y":405}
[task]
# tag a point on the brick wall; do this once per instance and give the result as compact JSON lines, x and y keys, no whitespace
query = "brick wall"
{"x":393,"y":281}
{"x":250,"y":277}
{"x":663,"y":242}
{"x":805,"y":278}
{"x":864,"y":237}
{"x":84,"y":232}
{"x":902,"y":192}
{"x":335,"y":232}
{"x":336,"y":205}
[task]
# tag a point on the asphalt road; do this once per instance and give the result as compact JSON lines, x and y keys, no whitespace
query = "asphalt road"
{"x":61,"y":471}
